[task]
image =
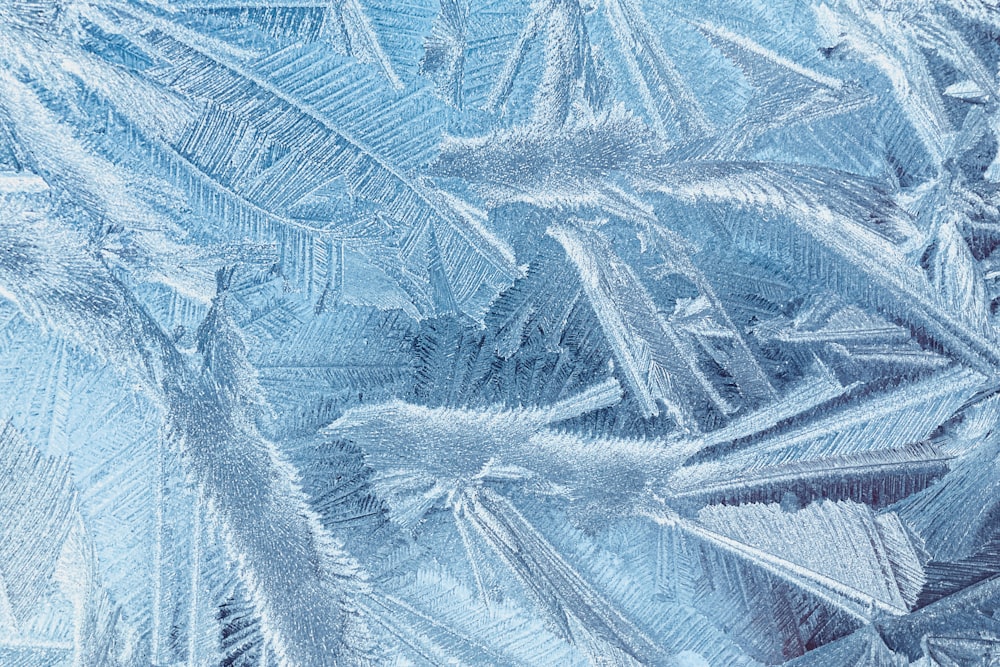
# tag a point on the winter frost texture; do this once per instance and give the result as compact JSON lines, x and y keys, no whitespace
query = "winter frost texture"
{"x":499,"y":332}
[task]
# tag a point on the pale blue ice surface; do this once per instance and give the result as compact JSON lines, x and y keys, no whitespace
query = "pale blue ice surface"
{"x":499,"y":332}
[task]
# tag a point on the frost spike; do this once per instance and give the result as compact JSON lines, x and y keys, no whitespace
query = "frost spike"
{"x":642,"y":50}
{"x":559,"y":588}
{"x":656,"y":363}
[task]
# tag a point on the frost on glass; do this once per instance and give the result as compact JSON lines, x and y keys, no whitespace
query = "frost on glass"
{"x":499,"y":332}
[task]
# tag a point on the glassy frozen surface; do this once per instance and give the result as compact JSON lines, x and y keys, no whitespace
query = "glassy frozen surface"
{"x":499,"y":332}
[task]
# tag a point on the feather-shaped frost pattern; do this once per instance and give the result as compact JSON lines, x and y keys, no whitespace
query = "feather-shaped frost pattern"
{"x":499,"y":332}
{"x":48,"y":555}
{"x":658,"y":364}
{"x":280,"y":100}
